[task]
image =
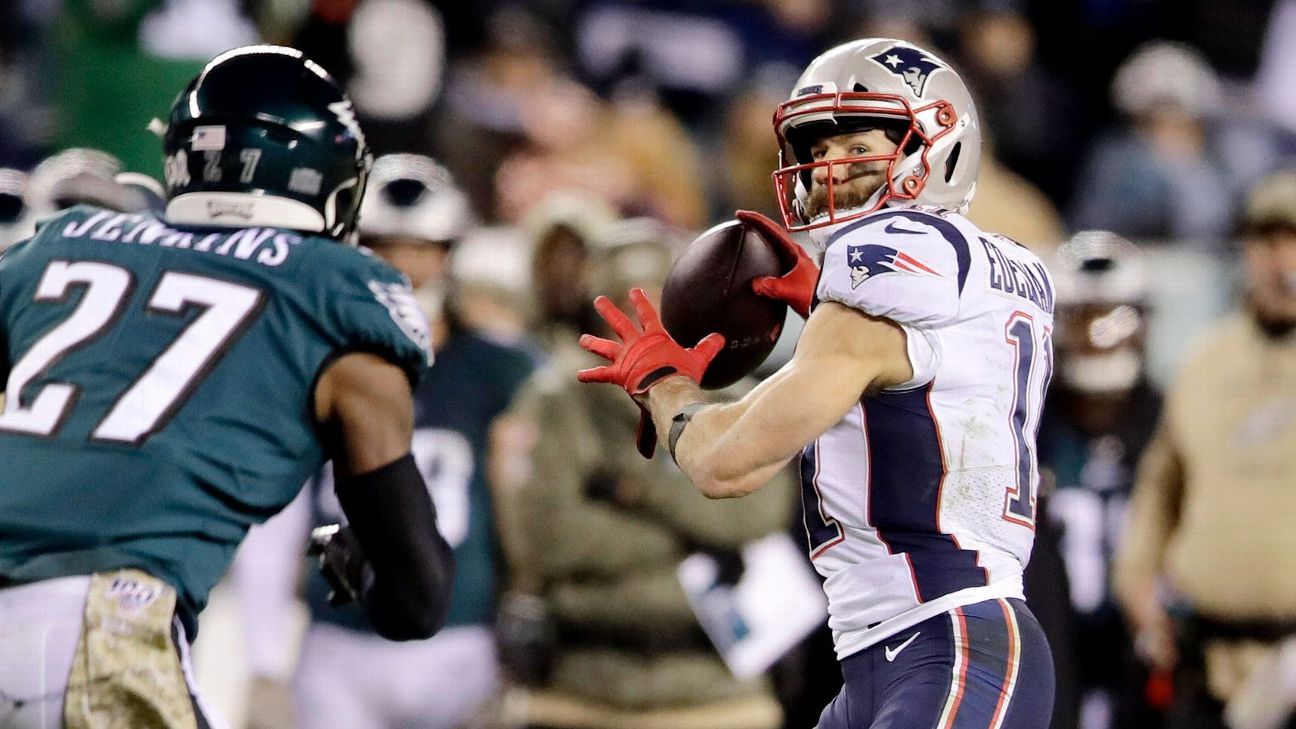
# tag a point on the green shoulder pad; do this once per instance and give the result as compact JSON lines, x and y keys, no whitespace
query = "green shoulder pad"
{"x":371,"y":307}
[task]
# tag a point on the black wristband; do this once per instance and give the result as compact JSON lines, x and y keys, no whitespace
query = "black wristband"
{"x":678,"y":422}
{"x":394,"y":520}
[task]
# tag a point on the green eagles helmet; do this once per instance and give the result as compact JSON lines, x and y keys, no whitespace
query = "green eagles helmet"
{"x":265,"y":136}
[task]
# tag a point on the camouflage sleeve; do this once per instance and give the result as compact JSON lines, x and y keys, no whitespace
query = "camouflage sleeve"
{"x":564,"y":532}
{"x":370,"y":307}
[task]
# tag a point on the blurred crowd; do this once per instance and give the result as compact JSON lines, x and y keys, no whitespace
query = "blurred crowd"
{"x":1141,"y":145}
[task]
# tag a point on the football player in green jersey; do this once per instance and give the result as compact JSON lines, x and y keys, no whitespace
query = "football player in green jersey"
{"x":413,"y":216}
{"x":171,"y":381}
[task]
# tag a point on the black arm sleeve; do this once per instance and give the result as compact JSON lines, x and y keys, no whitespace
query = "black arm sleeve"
{"x":393,"y":519}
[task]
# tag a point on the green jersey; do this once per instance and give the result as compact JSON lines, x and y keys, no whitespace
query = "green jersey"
{"x":159,"y":386}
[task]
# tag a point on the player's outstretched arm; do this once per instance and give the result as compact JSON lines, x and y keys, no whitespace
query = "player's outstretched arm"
{"x":366,"y":412}
{"x":732,"y":449}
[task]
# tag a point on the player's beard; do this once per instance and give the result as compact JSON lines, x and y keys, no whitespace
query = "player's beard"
{"x":848,"y":195}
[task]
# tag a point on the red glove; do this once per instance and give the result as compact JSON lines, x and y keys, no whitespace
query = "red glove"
{"x":644,"y":358}
{"x":796,"y":288}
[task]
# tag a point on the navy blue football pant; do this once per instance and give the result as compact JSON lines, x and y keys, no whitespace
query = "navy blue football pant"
{"x":982,"y":666}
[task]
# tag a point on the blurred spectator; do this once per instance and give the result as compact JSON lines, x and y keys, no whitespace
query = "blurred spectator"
{"x":348,"y":676}
{"x":567,"y":147}
{"x":694,"y":54}
{"x":1008,"y":203}
{"x":601,"y":531}
{"x":565,"y":228}
{"x":1101,"y":413}
{"x":668,"y":174}
{"x":392,"y":57}
{"x":630,"y":154}
{"x":1275,"y":83}
{"x":523,"y":129}
{"x":1082,"y":42}
{"x":925,"y":23}
{"x":1180,"y":163}
{"x":1033,"y":121}
{"x":1209,"y":519}
{"x":1234,"y":53}
{"x":748,"y":153}
{"x":480,"y":122}
{"x":17,"y":139}
{"x":118,"y":65}
{"x":493,"y":285}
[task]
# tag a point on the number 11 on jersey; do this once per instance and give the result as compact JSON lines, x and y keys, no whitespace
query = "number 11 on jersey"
{"x":1030,"y":383}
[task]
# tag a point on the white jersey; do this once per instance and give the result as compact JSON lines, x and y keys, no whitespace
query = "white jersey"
{"x":922,"y":498}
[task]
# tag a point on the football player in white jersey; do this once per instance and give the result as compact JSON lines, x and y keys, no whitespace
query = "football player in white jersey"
{"x":913,"y":397}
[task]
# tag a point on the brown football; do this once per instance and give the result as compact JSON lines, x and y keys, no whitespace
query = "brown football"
{"x":709,"y":290}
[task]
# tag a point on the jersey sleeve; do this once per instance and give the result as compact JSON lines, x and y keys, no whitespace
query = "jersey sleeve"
{"x":905,"y":265}
{"x":372,"y":308}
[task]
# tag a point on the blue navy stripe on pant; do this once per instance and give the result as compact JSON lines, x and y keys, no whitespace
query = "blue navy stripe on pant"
{"x":982,"y":666}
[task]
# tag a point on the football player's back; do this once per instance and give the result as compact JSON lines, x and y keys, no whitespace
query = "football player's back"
{"x":172,"y":380}
{"x":159,"y":386}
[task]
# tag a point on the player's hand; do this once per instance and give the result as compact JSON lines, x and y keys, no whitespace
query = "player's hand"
{"x":644,"y":358}
{"x":795,"y":288}
{"x":1155,"y":635}
{"x":342,"y":562}
{"x":1157,"y":646}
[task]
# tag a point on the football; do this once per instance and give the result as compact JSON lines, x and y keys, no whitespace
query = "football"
{"x":709,"y":290}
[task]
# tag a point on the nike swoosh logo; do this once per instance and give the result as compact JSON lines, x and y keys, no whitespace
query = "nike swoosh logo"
{"x":891,"y":228}
{"x":891,"y":653}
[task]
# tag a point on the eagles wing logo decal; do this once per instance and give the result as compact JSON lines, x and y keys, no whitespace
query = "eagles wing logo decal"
{"x":911,"y":64}
{"x":406,"y":312}
{"x":871,"y":260}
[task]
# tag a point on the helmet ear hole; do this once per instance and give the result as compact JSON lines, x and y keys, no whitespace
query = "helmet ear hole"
{"x":404,"y":193}
{"x":952,"y":161}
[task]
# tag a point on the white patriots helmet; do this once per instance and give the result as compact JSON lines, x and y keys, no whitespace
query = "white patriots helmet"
{"x":880,"y":82}
{"x":411,"y":196}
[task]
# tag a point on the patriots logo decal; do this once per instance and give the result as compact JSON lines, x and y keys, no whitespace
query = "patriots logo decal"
{"x":911,"y":64}
{"x":870,"y":260}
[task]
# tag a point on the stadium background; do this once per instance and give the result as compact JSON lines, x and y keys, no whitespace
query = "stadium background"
{"x":590,"y":110}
